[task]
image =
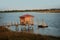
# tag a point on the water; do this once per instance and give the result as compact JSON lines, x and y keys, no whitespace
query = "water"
{"x":52,"y":19}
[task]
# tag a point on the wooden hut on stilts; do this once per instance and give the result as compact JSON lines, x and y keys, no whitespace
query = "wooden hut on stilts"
{"x":26,"y":20}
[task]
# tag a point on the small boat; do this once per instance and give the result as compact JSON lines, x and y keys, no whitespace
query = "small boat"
{"x":43,"y":25}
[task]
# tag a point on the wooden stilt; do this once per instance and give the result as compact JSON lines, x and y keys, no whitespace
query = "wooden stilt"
{"x":17,"y":27}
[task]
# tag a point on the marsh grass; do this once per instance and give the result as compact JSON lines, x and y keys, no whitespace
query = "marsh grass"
{"x":6,"y":34}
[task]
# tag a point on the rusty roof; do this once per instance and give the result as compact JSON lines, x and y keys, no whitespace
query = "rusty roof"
{"x":26,"y":15}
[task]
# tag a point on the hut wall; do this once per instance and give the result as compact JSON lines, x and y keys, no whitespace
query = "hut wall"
{"x":22,"y":21}
{"x":28,"y":20}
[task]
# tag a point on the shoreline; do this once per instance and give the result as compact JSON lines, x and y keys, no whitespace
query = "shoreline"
{"x":44,"y":10}
{"x":6,"y":34}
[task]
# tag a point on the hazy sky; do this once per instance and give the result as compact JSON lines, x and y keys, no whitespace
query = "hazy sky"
{"x":29,"y":4}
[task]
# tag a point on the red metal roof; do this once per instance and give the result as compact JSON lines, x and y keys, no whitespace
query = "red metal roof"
{"x":26,"y":15}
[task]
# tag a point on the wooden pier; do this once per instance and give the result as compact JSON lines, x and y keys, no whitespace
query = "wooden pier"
{"x":16,"y":27}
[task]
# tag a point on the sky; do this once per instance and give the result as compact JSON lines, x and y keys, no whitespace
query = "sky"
{"x":28,"y":4}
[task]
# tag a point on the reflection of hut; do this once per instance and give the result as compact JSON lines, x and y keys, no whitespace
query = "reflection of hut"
{"x":26,"y":19}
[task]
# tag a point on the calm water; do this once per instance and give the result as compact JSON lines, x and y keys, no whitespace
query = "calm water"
{"x":52,"y":19}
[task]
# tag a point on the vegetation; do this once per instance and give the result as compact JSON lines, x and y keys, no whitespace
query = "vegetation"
{"x":34,"y":10}
{"x":10,"y":35}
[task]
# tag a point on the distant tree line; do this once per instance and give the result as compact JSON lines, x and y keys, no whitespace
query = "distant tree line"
{"x":33,"y":10}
